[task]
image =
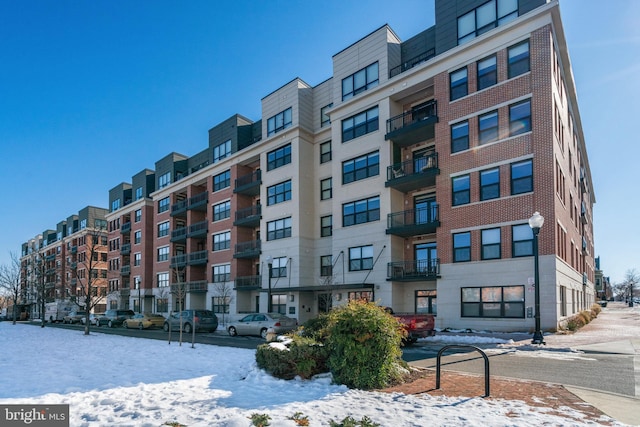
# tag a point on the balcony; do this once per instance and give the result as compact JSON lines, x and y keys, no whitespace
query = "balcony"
{"x":248,"y":217}
{"x":199,"y":229}
{"x":125,"y":228}
{"x":413,"y":126}
{"x":199,"y":286}
{"x":248,"y":250}
{"x":248,"y":283}
{"x":125,"y":292}
{"x":50,"y":257}
{"x":179,"y":208}
{"x":199,"y":202}
{"x":413,"y":174}
{"x":179,"y":234}
{"x":413,"y":222}
{"x":413,"y":271}
{"x":178,"y":261}
{"x":198,"y":258}
{"x":125,"y":249}
{"x":410,"y":63}
{"x":125,"y":270}
{"x":249,"y":184}
{"x":74,"y":249}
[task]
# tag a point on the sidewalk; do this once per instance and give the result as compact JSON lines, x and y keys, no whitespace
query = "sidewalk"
{"x":615,"y":331}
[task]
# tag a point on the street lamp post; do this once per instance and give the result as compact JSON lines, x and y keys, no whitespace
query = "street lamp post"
{"x":270,"y":268}
{"x":139,"y":296}
{"x":631,"y":293}
{"x":535,"y":222}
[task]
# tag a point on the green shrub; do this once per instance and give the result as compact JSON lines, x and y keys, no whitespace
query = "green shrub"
{"x":304,"y":357}
{"x":364,"y":346}
{"x":352,"y":422}
{"x":316,"y":328}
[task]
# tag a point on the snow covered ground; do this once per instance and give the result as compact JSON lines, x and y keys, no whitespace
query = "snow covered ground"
{"x":110,"y":380}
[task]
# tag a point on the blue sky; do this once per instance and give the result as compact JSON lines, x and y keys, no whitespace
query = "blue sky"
{"x":92,"y":92}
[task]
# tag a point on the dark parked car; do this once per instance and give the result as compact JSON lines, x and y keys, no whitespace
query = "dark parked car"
{"x":113,"y":318}
{"x":204,"y":320}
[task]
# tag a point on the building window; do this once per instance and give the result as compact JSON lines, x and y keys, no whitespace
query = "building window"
{"x":221,"y":151}
{"x":137,"y":237}
{"x":279,"y":193}
{"x":360,"y":81}
{"x":326,"y":189}
{"x":137,"y":259}
{"x":518,"y":59}
{"x":522,"y":237}
{"x":278,"y":303}
{"x":488,"y":127}
{"x":487,"y":72}
{"x":494,"y":301}
{"x":83,"y":224}
{"x":138,"y":215}
{"x":325,"y":152}
{"x":360,"y":124}
{"x":222,"y":241}
{"x":221,"y":273}
{"x":458,"y":84}
{"x":139,"y":193}
{"x":222,"y":180}
{"x":163,"y":280}
{"x":326,"y":266}
{"x":279,"y":157}
{"x":279,"y":267}
{"x":164,"y":180}
{"x":462,"y":247}
{"x":490,"y":184}
{"x":163,"y":253}
{"x":522,"y":177}
{"x":163,"y":229}
{"x":491,"y":243}
{"x":366,"y":296}
{"x":221,"y":211}
{"x":115,"y":205}
{"x":361,"y":167}
{"x":326,"y":226}
{"x":279,"y":229}
{"x":361,"y":258}
{"x":486,"y":17}
{"x":324,"y":115}
{"x":361,"y":211}
{"x":162,"y":305}
{"x":461,"y":190}
{"x":220,"y":304}
{"x":163,"y":205}
{"x":520,"y":118}
{"x":279,"y":122}
{"x":460,"y":137}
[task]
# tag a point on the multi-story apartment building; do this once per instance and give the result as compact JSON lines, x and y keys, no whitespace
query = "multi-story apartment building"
{"x":407,"y":177}
{"x":57,"y":264}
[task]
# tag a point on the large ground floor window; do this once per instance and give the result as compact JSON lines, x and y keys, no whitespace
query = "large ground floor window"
{"x":493,"y":301}
{"x":427,"y":302}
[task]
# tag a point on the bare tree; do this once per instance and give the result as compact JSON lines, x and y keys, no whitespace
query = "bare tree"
{"x":179,"y":290}
{"x":91,"y":285}
{"x":224,"y":291}
{"x":10,"y":281}
{"x":631,"y":278}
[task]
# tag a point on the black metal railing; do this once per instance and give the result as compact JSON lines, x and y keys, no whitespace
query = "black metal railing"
{"x":410,"y":63}
{"x":412,"y":167}
{"x":427,"y":111}
{"x":414,"y":217}
{"x":415,"y":269}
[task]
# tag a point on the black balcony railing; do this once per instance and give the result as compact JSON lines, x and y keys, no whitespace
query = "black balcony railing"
{"x":178,"y":261}
{"x":401,"y":121}
{"x":248,"y":282}
{"x":179,"y":234}
{"x":249,"y":249}
{"x":248,"y":217}
{"x":249,"y":184}
{"x":414,"y":221}
{"x":199,"y":201}
{"x":125,"y":270}
{"x":179,"y":207}
{"x":125,"y":228}
{"x":412,"y":174}
{"x":413,"y":270}
{"x":125,"y":249}
{"x":413,"y":126}
{"x":410,"y":63}
{"x":198,"y":229}
{"x":198,"y":258}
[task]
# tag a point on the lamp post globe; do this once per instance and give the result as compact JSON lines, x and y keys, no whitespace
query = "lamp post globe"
{"x":536,"y":222}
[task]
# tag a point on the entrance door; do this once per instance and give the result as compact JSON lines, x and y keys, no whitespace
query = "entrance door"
{"x":427,"y":302}
{"x":425,"y":209}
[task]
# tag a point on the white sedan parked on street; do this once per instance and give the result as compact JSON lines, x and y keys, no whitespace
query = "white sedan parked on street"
{"x":260,"y":323}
